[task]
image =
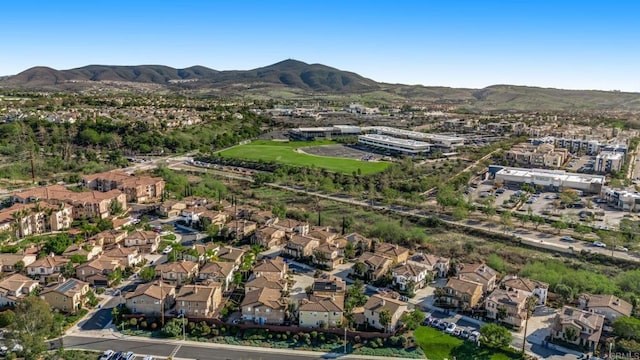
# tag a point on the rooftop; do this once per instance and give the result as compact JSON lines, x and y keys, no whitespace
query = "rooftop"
{"x":393,"y":140}
{"x":559,"y":175}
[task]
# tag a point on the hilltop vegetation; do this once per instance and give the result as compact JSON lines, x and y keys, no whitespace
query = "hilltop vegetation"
{"x":291,"y":79}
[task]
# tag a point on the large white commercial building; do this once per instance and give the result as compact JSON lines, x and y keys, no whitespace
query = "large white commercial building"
{"x":326,"y":132}
{"x":394,"y":145}
{"x":556,"y":180}
{"x":445,"y":142}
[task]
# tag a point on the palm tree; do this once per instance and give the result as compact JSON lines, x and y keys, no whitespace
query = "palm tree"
{"x":18,"y":222}
{"x":529,"y":306}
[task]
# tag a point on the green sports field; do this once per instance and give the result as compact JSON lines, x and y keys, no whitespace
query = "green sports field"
{"x":285,"y":153}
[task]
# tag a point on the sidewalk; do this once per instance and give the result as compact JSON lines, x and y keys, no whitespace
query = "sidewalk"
{"x":110,"y":333}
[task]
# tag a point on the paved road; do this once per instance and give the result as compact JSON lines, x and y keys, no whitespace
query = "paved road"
{"x":532,"y":238}
{"x":164,"y":349}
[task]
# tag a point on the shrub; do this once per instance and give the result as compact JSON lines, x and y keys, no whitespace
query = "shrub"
{"x":133,"y":322}
{"x":7,"y":318}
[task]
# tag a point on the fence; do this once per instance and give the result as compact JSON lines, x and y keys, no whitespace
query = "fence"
{"x":274,"y":328}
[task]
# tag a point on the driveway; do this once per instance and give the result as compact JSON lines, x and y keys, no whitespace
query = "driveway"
{"x":101,"y":317}
{"x":342,"y":271}
{"x":301,"y":283}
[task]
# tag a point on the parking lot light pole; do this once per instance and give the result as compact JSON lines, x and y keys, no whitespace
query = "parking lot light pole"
{"x":345,"y":339}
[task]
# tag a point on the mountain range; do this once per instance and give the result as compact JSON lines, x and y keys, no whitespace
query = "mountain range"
{"x":296,"y":79}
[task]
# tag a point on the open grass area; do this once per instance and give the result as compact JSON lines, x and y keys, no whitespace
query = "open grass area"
{"x":438,"y":346}
{"x":285,"y":153}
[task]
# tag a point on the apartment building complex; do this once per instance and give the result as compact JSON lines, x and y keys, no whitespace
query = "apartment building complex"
{"x":540,"y":156}
{"x":35,"y":218}
{"x":138,"y":189}
{"x":85,"y":205}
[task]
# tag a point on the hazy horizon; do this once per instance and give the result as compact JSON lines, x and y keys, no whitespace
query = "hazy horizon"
{"x":467,"y":44}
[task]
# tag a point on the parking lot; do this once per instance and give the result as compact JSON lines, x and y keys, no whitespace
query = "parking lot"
{"x":581,"y":164}
{"x":341,"y":151}
{"x":603,"y":215}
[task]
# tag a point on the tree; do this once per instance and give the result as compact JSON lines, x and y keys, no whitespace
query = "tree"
{"x":569,"y":196}
{"x":495,"y":336}
{"x":570,"y":333}
{"x":559,"y":226}
{"x":7,"y":318}
{"x":447,"y":196}
{"x":627,"y":327}
{"x":530,"y":305}
{"x":460,"y":212}
{"x":488,"y":208}
{"x":359,"y":268}
{"x":564,"y":291}
{"x":33,"y":323}
{"x":115,"y":207}
{"x":349,"y":251}
{"x":506,"y":221}
{"x":19,"y":266}
{"x":538,"y":220}
{"x":280,"y":211}
{"x":412,"y":320}
{"x":501,"y":314}
{"x":385,"y":319}
{"x":173,"y":328}
{"x":68,"y":270}
{"x":147,"y":274}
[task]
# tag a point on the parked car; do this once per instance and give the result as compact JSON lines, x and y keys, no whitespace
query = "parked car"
{"x":567,"y":239}
{"x":465,"y":334}
{"x":167,"y":250}
{"x":118,"y":355}
{"x":450,"y":328}
{"x":435,"y":323}
{"x":622,"y":248}
{"x":599,"y":244}
{"x":128,"y":356}
{"x":443,"y":325}
{"x":107,"y":355}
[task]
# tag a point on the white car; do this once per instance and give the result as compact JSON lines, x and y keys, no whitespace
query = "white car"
{"x":450,"y":328}
{"x":622,"y":248}
{"x":167,"y":250}
{"x":107,"y":355}
{"x":599,"y":244}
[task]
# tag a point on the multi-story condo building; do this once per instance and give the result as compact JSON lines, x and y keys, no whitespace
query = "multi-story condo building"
{"x":138,"y":189}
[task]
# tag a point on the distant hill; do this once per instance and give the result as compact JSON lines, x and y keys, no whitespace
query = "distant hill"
{"x":288,"y":73}
{"x":295,"y":79}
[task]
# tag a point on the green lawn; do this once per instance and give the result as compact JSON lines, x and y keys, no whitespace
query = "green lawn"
{"x":284,"y":152}
{"x":438,"y":346}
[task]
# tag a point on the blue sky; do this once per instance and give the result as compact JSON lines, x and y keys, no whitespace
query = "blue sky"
{"x":475,"y":43}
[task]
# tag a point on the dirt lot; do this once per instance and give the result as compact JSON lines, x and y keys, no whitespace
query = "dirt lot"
{"x":340,"y":151}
